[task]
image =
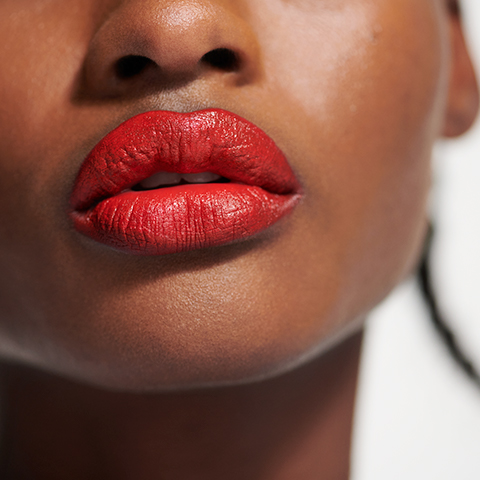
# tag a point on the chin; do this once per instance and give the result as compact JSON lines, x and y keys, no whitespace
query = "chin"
{"x":148,"y":356}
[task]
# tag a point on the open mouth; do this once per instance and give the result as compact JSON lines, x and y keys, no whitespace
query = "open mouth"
{"x":170,"y":179}
{"x":165,"y":182}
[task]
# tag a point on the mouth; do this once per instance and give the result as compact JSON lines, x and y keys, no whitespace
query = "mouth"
{"x":165,"y":182}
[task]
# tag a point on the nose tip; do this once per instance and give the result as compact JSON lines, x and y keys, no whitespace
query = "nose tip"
{"x":145,"y":43}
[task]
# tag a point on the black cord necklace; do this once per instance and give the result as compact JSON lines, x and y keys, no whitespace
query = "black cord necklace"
{"x":442,"y":327}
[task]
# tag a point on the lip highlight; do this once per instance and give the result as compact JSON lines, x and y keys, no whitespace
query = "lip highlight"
{"x":261,"y":186}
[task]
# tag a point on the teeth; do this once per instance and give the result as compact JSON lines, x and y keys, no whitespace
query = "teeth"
{"x":202,"y":177}
{"x":162,"y":179}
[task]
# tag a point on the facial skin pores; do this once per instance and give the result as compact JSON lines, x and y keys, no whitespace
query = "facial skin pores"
{"x":353,"y":111}
{"x":200,"y":203}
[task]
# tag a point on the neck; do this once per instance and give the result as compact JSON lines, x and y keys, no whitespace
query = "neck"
{"x":294,"y":426}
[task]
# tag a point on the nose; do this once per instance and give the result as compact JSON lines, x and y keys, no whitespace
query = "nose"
{"x":147,"y":44}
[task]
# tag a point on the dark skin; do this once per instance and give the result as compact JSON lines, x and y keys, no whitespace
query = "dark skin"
{"x":295,"y":426}
{"x":232,"y":362}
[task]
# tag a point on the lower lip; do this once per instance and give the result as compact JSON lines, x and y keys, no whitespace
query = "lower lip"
{"x":182,"y":218}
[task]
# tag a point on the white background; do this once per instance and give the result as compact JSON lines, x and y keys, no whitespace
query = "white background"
{"x":457,"y":206}
{"x":418,"y":417}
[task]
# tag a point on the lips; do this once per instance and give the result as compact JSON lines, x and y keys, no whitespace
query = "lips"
{"x":115,"y":202}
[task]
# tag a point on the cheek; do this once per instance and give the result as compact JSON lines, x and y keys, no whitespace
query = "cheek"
{"x":43,"y":43}
{"x":374,"y":91}
{"x":356,"y":114}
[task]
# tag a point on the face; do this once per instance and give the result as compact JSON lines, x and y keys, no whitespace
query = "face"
{"x":353,"y":92}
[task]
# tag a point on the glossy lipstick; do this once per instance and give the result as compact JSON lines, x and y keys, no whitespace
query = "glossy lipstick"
{"x":107,"y":205}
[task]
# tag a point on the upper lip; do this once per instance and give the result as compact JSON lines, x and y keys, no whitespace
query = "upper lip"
{"x":208,"y":140}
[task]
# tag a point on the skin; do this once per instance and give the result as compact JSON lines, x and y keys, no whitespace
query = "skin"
{"x":355,"y":92}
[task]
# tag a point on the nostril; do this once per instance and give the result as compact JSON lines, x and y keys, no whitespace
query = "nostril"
{"x":131,"y":65}
{"x":222,"y":58}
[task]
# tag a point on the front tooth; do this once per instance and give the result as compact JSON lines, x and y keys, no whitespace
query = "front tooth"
{"x":202,"y":177}
{"x":160,"y":179}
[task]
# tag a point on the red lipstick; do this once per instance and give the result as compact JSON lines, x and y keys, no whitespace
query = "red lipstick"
{"x":109,"y":205}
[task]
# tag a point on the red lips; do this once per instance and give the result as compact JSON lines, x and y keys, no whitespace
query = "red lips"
{"x":261,"y":189}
